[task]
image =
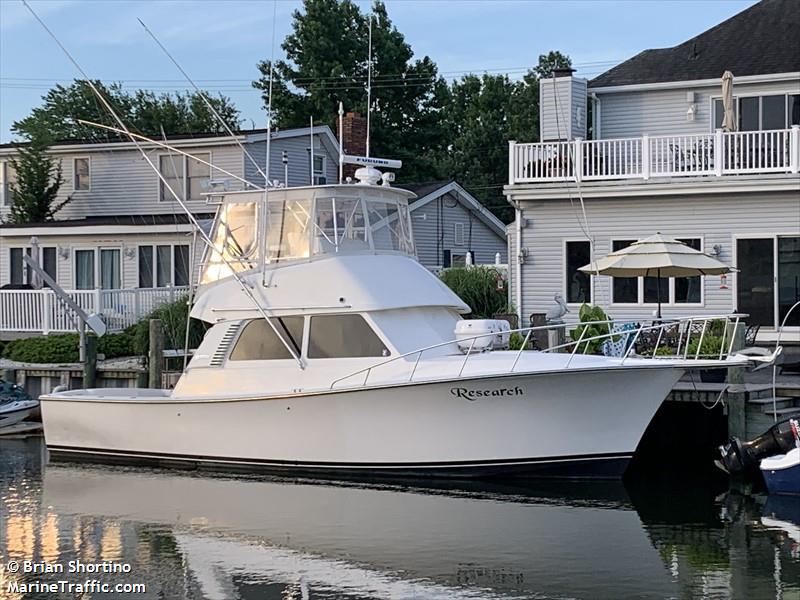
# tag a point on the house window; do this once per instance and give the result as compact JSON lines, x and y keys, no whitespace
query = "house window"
{"x":578,"y":254}
{"x":82,"y":176}
{"x":343,"y":336}
{"x":458,"y":234}
{"x":89,"y":270}
{"x":644,"y":290}
{"x":759,"y":113}
{"x":8,"y":178}
{"x":624,"y":289}
{"x":258,"y":340}
{"x":319,"y":170}
{"x":21,"y":274}
{"x":84,"y":269}
{"x":164,"y":265}
{"x":185,"y":175}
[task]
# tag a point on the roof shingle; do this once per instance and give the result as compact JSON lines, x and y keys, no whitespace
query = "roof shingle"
{"x":760,"y":40}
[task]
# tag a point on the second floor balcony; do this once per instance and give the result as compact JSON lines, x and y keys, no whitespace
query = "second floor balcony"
{"x":714,"y":155}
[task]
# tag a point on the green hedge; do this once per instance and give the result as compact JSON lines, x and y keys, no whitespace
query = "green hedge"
{"x":63,"y":347}
{"x":478,"y":287}
{"x":134,"y":341}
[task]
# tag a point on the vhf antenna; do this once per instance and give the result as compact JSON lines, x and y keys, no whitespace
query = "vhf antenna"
{"x":369,"y":80}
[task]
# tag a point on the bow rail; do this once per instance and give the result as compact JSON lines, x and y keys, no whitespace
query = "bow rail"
{"x":665,"y":345}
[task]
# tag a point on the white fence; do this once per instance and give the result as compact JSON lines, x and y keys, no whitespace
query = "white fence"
{"x":714,"y":154}
{"x":41,"y":311}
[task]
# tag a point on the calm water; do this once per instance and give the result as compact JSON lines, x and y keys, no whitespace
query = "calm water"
{"x":198,"y":536}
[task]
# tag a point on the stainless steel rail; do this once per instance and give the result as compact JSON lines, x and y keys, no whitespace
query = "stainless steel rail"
{"x":683,"y":325}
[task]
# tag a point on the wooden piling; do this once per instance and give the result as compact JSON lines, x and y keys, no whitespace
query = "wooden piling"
{"x":155,"y":358}
{"x":556,"y":337}
{"x":736,"y":401}
{"x":90,"y":362}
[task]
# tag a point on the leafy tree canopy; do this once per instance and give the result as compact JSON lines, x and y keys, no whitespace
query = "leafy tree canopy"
{"x":38,"y":179}
{"x":327,"y":63}
{"x":142,"y":111}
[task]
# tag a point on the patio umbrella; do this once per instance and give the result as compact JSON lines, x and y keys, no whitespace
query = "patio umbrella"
{"x":729,"y":117}
{"x":657,"y":256}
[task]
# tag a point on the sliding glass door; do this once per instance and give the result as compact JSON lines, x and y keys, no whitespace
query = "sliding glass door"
{"x":768,"y":281}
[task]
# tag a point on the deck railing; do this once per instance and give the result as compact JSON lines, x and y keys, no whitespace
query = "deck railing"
{"x":41,"y":311}
{"x":714,"y":154}
{"x":680,"y":339}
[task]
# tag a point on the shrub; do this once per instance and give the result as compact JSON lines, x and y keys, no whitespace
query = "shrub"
{"x":712,"y":344}
{"x":173,"y":319}
{"x":63,"y":348}
{"x":478,"y":288}
{"x":588,"y":315}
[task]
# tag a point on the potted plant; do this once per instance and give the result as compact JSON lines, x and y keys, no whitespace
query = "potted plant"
{"x":710,"y":348}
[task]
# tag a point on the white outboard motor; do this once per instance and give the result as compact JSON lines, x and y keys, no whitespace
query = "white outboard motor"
{"x":467,"y":329}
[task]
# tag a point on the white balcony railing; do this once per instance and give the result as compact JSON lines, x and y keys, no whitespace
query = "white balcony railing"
{"x":40,"y":310}
{"x":714,"y":154}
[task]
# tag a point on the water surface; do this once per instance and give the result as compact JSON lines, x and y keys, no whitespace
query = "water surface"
{"x":203,"y":536}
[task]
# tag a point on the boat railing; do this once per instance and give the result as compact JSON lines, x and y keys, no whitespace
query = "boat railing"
{"x":662,"y":340}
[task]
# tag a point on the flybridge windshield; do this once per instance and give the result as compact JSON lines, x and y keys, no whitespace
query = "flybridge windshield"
{"x":299,"y":224}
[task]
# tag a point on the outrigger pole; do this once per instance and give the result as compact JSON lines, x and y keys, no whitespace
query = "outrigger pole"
{"x":192,"y":219}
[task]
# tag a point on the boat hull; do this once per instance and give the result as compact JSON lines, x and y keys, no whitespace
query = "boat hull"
{"x":13,"y":415}
{"x":580,"y":424}
{"x":782,"y":473}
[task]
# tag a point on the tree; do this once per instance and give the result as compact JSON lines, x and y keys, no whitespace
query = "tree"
{"x":327,"y":63}
{"x":142,"y":111}
{"x":479,"y":116}
{"x":38,"y":179}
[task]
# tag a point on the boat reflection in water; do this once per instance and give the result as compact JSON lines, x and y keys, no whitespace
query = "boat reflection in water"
{"x":192,"y":536}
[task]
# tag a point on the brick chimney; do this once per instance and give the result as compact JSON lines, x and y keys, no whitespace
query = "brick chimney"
{"x":354,"y":138}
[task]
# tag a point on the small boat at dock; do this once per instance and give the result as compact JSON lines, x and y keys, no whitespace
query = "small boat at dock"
{"x":15,"y":404}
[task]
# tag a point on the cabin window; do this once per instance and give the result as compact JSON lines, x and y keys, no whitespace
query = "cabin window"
{"x":578,"y":254}
{"x":187,"y":176}
{"x":81,"y":180}
{"x":343,"y":336}
{"x":164,"y":265}
{"x":258,"y":340}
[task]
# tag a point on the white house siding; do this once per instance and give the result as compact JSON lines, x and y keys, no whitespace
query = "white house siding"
{"x":298,"y":155}
{"x":714,"y":219}
{"x":428,"y":230}
{"x":124,"y":241}
{"x":123,"y":183}
{"x":663,"y":111}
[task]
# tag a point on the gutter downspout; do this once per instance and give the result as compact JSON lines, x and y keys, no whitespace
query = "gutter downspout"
{"x":595,"y":116}
{"x":518,"y":265}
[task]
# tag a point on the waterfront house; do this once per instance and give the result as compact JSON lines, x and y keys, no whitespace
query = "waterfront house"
{"x":123,"y":244}
{"x":657,"y":160}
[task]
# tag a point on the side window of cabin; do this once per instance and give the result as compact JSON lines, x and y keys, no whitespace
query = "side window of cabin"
{"x":258,"y":340}
{"x":343,"y":336}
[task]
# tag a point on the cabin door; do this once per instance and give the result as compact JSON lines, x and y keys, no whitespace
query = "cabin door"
{"x":768,"y":281}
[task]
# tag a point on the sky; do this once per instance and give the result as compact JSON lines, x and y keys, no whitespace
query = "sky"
{"x":219,"y":42}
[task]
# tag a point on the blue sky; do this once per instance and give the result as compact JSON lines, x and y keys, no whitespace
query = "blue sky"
{"x":219,"y":42}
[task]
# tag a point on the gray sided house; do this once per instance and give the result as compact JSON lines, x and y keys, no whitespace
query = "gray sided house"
{"x":123,"y":244}
{"x":448,"y":222}
{"x":657,"y":160}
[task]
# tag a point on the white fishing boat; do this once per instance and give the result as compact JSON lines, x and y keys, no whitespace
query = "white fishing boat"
{"x":331,"y":349}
